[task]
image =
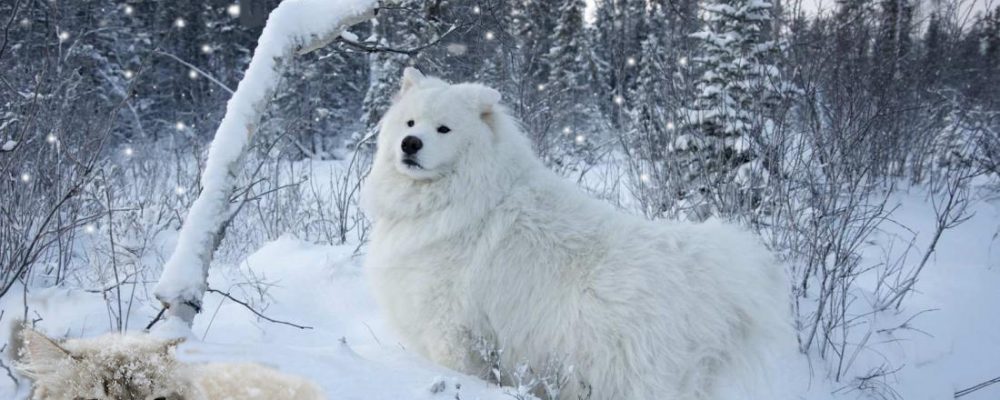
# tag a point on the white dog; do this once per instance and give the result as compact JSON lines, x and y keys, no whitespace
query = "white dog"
{"x":474,"y":238}
{"x":140,"y":367}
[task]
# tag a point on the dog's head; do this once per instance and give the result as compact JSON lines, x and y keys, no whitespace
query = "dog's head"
{"x":433,"y":126}
{"x":110,"y":367}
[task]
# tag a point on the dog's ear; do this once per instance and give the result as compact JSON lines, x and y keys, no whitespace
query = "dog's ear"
{"x":40,"y":350}
{"x":483,"y":98}
{"x":411,"y":78}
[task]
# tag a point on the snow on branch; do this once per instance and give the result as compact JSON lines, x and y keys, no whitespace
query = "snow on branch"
{"x":294,"y":27}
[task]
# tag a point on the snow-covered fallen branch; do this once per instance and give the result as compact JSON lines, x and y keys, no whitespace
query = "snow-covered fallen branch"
{"x":294,"y":27}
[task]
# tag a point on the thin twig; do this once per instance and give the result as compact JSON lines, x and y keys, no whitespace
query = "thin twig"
{"x":113,"y":286}
{"x":156,"y":319}
{"x":13,"y":353}
{"x":248,"y":307}
{"x":196,"y":69}
{"x":10,"y":373}
{"x":963,"y":392}
{"x":114,"y":260}
{"x":6,"y":29}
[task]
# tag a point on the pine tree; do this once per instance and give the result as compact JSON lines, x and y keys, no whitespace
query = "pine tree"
{"x":893,"y":62}
{"x":737,"y":91}
{"x":649,"y":95}
{"x":935,"y":53}
{"x":531,"y":25}
{"x":620,"y":30}
{"x":569,"y":139}
{"x":661,"y":87}
{"x":565,"y":60}
{"x":988,"y":66}
{"x":894,"y":42}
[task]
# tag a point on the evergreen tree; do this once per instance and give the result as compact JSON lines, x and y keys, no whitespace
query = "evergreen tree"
{"x":935,"y":53}
{"x":566,"y":64}
{"x":621,"y":28}
{"x":531,"y":22}
{"x":737,"y":91}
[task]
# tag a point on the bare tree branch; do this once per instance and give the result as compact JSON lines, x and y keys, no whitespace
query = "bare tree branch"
{"x":973,"y":388}
{"x":373,"y":48}
{"x":258,"y":313}
{"x":6,"y":28}
{"x":196,"y":69}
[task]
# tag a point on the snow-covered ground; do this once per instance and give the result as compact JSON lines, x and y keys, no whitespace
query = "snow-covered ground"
{"x":955,"y":342}
{"x":352,"y":354}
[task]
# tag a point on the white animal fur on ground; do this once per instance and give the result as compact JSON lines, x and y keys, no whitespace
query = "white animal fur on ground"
{"x":139,"y":366}
{"x":480,"y":240}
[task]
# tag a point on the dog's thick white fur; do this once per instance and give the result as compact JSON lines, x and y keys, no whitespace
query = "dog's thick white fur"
{"x":141,"y":367}
{"x":474,"y":238}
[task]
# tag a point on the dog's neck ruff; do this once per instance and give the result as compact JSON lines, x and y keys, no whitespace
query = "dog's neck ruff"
{"x":457,"y":198}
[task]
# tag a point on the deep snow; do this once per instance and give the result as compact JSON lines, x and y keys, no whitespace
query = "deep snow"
{"x":352,"y":354}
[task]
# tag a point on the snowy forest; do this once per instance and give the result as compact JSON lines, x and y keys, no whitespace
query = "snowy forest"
{"x":860,"y":139}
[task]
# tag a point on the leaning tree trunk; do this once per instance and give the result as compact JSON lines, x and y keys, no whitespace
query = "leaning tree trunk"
{"x":294,"y":27}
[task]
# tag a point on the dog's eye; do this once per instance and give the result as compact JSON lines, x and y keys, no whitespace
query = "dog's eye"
{"x":409,"y":123}
{"x":443,"y":129}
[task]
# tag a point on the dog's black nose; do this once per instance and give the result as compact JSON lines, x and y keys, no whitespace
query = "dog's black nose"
{"x":411,"y":144}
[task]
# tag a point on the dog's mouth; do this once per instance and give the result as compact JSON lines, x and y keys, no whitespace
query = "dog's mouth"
{"x":412,"y":164}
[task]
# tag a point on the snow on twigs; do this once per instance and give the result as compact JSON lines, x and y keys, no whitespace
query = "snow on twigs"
{"x":293,"y":27}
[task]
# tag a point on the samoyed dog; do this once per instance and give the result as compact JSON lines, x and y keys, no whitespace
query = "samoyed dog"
{"x":474,"y":239}
{"x":142,"y":367}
